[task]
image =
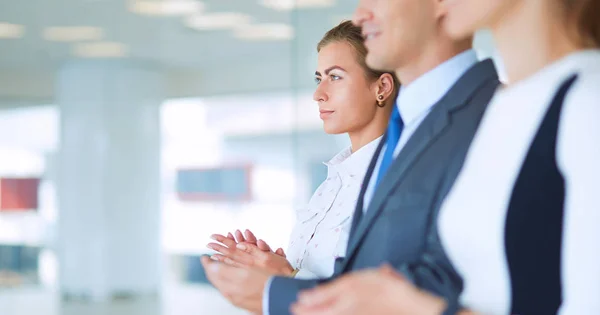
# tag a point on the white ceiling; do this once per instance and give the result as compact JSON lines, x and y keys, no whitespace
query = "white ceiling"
{"x":165,"y":40}
{"x":194,"y":63}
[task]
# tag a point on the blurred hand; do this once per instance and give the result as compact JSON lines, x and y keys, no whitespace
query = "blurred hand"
{"x":380,"y":291}
{"x":231,"y":255}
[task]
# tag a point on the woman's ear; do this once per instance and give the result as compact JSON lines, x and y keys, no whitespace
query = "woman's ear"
{"x":385,"y":87}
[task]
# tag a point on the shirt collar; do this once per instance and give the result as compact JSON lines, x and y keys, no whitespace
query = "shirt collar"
{"x":355,"y":163}
{"x":419,"y":96}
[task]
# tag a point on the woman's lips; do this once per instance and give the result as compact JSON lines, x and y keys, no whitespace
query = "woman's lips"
{"x":324,"y":114}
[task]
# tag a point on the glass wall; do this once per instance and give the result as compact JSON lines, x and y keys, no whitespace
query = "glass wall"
{"x":223,"y":172}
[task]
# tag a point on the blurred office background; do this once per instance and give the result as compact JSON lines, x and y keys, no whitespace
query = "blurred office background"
{"x":132,"y":130}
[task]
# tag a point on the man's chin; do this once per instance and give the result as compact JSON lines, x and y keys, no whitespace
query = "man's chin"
{"x":378,"y":62}
{"x":332,"y":129}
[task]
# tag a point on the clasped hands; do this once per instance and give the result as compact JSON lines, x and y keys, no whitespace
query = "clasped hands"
{"x":242,"y":268}
{"x":243,"y":265}
{"x":244,"y":250}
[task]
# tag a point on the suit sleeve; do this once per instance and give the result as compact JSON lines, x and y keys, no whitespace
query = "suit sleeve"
{"x":433,"y":272}
{"x":282,"y":292}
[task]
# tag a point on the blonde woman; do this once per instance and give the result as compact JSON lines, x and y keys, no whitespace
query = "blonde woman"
{"x":353,"y":100}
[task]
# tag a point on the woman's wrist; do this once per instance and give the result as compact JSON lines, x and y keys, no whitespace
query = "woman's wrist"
{"x":285,"y":271}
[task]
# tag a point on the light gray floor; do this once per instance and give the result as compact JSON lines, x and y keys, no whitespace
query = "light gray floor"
{"x":189,"y":300}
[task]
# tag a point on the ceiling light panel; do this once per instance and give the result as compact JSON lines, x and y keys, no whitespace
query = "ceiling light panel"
{"x":262,"y":32}
{"x":8,"y":30}
{"x":218,"y":21}
{"x":287,"y":5}
{"x":165,"y":7}
{"x":100,"y":50}
{"x":73,"y":33}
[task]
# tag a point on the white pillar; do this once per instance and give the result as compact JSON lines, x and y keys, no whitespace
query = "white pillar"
{"x":109,"y":179}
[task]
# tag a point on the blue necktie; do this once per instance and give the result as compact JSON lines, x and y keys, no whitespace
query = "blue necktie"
{"x":394,"y":130}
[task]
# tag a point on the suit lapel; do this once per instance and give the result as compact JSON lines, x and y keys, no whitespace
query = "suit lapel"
{"x":433,"y":125}
{"x":417,"y":143}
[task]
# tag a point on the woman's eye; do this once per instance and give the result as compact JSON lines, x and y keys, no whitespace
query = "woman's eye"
{"x":335,"y":77}
{"x":317,"y":80}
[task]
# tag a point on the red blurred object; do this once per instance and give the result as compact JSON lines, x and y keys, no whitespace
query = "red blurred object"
{"x":19,"y":194}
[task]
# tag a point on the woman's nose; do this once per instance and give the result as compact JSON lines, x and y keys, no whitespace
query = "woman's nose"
{"x":320,"y":95}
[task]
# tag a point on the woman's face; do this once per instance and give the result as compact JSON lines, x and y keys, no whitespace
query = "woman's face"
{"x":464,"y":17}
{"x":347,"y":100}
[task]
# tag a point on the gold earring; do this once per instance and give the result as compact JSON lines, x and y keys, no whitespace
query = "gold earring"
{"x":380,"y":102}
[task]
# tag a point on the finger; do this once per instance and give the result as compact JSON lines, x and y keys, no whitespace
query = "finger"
{"x":230,"y":236}
{"x":227,"y":276}
{"x":221,"y":249}
{"x":252,"y":250}
{"x":218,"y":257}
{"x":225,"y":260}
{"x":239,"y":237}
{"x":298,"y":309}
{"x":250,"y":238}
{"x":211,"y":269}
{"x":324,"y":294}
{"x":205,"y":260}
{"x":224,"y":240}
{"x":332,"y":308}
{"x":223,"y":277}
{"x":233,"y":263}
{"x":233,"y":254}
{"x":280,"y":252}
{"x":264,"y":246}
{"x":389,"y":271}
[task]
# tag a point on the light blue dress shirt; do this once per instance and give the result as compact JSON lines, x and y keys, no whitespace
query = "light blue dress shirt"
{"x":414,"y":102}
